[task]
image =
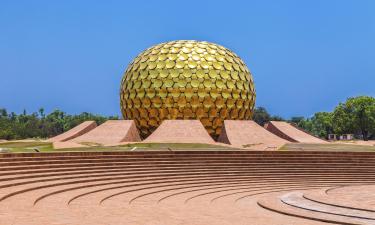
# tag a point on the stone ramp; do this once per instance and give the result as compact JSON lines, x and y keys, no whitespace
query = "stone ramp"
{"x":180,"y":131}
{"x":248,"y":134}
{"x":74,"y":132}
{"x":292,"y":133}
{"x":111,"y":132}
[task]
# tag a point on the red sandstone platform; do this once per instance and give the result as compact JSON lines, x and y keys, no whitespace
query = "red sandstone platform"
{"x":74,"y":132}
{"x":187,"y":188}
{"x":248,"y":134}
{"x":291,"y":133}
{"x":180,"y":131}
{"x":111,"y":132}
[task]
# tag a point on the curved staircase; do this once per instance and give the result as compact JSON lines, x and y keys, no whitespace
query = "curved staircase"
{"x":188,"y":187}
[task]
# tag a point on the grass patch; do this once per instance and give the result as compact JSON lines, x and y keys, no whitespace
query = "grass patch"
{"x":327,"y":147}
{"x":15,"y":144}
{"x":27,"y":146}
{"x":93,"y":149}
{"x":91,"y":144}
{"x":251,"y":145}
{"x":173,"y":146}
{"x":151,"y":147}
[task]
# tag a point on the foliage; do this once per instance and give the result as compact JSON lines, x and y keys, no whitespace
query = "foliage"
{"x":321,"y":124}
{"x":356,"y":115}
{"x":261,"y":116}
{"x":39,"y":125}
{"x":297,"y":119}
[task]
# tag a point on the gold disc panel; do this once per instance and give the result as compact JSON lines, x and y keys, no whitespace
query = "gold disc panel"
{"x":187,"y":80}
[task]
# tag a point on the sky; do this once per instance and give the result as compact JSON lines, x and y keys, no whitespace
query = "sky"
{"x":305,"y":56}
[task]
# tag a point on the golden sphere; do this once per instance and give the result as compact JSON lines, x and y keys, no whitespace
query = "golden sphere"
{"x":186,"y":80}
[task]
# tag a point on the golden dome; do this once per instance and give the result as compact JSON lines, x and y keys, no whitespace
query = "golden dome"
{"x":187,"y":80}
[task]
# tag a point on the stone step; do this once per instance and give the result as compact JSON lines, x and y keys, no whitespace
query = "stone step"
{"x":273,"y":203}
{"x":161,"y":164}
{"x":206,"y":160}
{"x":179,"y":153}
{"x":187,"y":157}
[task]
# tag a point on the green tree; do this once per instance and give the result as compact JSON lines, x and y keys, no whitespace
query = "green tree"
{"x":277,"y":118}
{"x":3,"y":113}
{"x":41,"y":113}
{"x":321,"y":124}
{"x":306,"y":125}
{"x":356,"y":115}
{"x":297,"y":119}
{"x":261,"y":116}
{"x":40,"y":125}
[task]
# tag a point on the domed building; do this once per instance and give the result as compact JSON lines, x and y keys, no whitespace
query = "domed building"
{"x":186,"y":80}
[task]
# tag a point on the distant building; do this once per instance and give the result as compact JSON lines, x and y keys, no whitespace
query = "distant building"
{"x":333,"y":137}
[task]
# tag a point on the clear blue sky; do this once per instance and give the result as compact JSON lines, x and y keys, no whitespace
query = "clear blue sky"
{"x":305,"y":56}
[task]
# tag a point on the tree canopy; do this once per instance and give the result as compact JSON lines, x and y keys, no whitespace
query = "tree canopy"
{"x":261,"y":116}
{"x":354,"y":116}
{"x":39,"y":125}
